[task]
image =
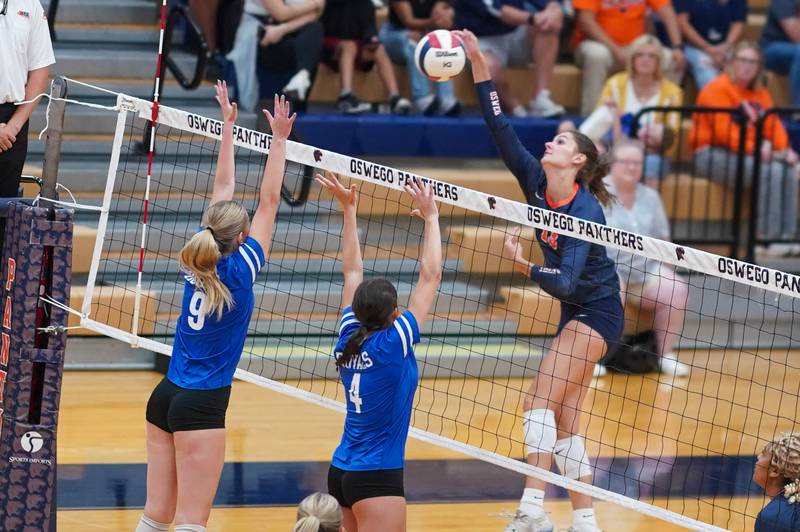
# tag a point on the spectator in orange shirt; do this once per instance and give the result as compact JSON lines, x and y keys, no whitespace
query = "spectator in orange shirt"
{"x":715,"y":140}
{"x":606,"y":28}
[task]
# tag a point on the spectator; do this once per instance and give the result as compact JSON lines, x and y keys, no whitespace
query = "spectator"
{"x":715,"y":140}
{"x":626,"y":93}
{"x":25,"y":55}
{"x":279,"y":36}
{"x":777,"y":471}
{"x":408,"y":21}
{"x":710,"y":29}
{"x":511,"y":36}
{"x":780,"y":40}
{"x":607,"y":29}
{"x":650,"y":284}
{"x":351,"y":39}
{"x":319,"y":512}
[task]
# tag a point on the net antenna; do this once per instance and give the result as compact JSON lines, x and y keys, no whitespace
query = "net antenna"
{"x":480,"y":343}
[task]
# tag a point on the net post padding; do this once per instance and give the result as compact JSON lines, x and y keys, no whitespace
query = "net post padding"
{"x":30,"y":415}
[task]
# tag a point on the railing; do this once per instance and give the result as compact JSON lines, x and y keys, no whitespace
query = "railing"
{"x":702,"y":191}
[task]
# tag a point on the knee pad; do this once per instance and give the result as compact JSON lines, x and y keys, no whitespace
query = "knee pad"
{"x":571,"y":458}
{"x":539,"y":429}
{"x":146,"y":524}
{"x":190,"y":528}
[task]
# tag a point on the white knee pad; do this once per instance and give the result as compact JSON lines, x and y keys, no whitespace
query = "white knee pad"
{"x":571,"y":458}
{"x":147,"y":524}
{"x":539,"y":429}
{"x":190,"y":528}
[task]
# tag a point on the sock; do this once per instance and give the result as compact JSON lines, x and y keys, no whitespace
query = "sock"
{"x":532,"y":502}
{"x":345,"y":92}
{"x":584,"y":517}
{"x":149,"y":525}
{"x":190,"y":528}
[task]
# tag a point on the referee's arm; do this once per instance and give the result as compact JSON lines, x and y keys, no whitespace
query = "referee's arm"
{"x":36,"y":85}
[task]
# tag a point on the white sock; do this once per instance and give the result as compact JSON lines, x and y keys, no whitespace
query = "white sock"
{"x":190,"y":528}
{"x":584,"y":517}
{"x":532,"y":502}
{"x":147,"y":524}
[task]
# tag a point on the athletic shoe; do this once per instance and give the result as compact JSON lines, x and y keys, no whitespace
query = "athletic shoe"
{"x":350,"y":105}
{"x":599,"y":370}
{"x":525,"y":523}
{"x":298,"y":86}
{"x":519,"y":112}
{"x":450,"y":107}
{"x":427,"y":105}
{"x":576,"y":528}
{"x":399,"y":105}
{"x":671,"y":366}
{"x":543,"y":106}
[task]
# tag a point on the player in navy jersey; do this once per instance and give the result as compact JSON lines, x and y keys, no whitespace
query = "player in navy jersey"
{"x":375,"y":359}
{"x":568,"y":180}
{"x":186,"y":411}
{"x":777,"y":471}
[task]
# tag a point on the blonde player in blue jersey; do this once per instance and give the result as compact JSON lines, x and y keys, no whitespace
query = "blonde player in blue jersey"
{"x":186,"y":411}
{"x":375,"y":358}
{"x":568,"y":180}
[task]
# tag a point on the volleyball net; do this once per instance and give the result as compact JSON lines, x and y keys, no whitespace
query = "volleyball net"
{"x":669,"y":447}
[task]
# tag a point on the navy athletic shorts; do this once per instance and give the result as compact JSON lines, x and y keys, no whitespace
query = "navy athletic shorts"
{"x":605,"y":316}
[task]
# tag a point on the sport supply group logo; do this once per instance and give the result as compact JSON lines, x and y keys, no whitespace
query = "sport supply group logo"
{"x":31,"y":442}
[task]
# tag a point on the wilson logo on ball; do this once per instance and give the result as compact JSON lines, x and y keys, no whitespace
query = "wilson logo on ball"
{"x":439,"y":55}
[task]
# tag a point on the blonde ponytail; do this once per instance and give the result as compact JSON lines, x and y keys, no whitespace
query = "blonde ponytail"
{"x":223,"y":222}
{"x":319,"y":512}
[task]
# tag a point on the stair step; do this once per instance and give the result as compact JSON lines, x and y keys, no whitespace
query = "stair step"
{"x":91,"y":35}
{"x":126,"y":63}
{"x":107,"y":11}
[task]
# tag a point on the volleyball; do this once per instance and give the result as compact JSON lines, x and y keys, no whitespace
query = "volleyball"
{"x":439,"y":55}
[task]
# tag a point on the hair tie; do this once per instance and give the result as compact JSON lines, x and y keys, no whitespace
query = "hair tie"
{"x":207,"y":228}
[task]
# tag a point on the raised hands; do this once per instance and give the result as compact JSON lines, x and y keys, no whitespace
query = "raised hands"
{"x":281,"y":122}
{"x":229,"y":110}
{"x":422,"y":198}
{"x":512,"y":249}
{"x":347,"y":197}
{"x":470,"y":42}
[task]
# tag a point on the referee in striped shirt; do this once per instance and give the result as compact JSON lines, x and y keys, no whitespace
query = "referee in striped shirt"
{"x":25,"y":55}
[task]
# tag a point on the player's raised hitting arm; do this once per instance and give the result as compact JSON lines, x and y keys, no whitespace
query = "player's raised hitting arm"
{"x":522,"y":164}
{"x":430,"y":272}
{"x":352,"y":264}
{"x":225,"y":176}
{"x":270,"y":192}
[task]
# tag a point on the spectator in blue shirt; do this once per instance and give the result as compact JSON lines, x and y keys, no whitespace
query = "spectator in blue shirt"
{"x":408,"y":21}
{"x":777,"y":471}
{"x":780,"y":41}
{"x":710,"y":30}
{"x":512,"y":33}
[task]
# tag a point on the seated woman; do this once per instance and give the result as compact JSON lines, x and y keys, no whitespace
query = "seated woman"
{"x":408,"y":21}
{"x":715,"y":138}
{"x":777,"y":471}
{"x":649,"y":284}
{"x":319,"y":512}
{"x":351,"y":40}
{"x":627,"y":93}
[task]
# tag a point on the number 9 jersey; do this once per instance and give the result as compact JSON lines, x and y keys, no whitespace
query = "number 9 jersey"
{"x":379,"y":384}
{"x":206,"y":350}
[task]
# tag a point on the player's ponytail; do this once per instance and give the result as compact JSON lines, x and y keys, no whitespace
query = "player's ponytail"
{"x":319,"y":512}
{"x":222,"y":223}
{"x":594,"y":170}
{"x":374,"y":303}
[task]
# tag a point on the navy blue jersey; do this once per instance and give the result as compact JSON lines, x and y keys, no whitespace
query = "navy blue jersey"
{"x":482,"y":17}
{"x":379,"y":385}
{"x":712,"y":19}
{"x":206,"y":350}
{"x":574,"y":271}
{"x":778,"y":516}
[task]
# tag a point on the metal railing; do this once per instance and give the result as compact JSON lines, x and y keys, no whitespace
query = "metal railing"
{"x":704,"y":203}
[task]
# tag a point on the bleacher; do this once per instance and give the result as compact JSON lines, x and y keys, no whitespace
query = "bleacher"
{"x":120,"y":37}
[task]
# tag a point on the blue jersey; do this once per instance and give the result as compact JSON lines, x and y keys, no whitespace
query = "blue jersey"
{"x":483,"y":17}
{"x":778,"y":516}
{"x":574,"y":271}
{"x":379,"y":385}
{"x":206,"y":350}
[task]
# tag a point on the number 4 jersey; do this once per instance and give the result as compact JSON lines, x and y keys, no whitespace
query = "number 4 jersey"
{"x":206,"y":350}
{"x":379,"y":385}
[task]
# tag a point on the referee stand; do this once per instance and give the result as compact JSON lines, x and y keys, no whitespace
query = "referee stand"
{"x":36,"y":265}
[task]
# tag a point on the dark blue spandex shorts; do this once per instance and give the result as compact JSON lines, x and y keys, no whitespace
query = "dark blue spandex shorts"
{"x":605,"y":316}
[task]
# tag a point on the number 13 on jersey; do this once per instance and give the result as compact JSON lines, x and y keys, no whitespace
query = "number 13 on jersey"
{"x":355,"y":384}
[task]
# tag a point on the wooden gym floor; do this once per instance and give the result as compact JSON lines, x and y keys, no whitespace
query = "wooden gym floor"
{"x":687,"y":444}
